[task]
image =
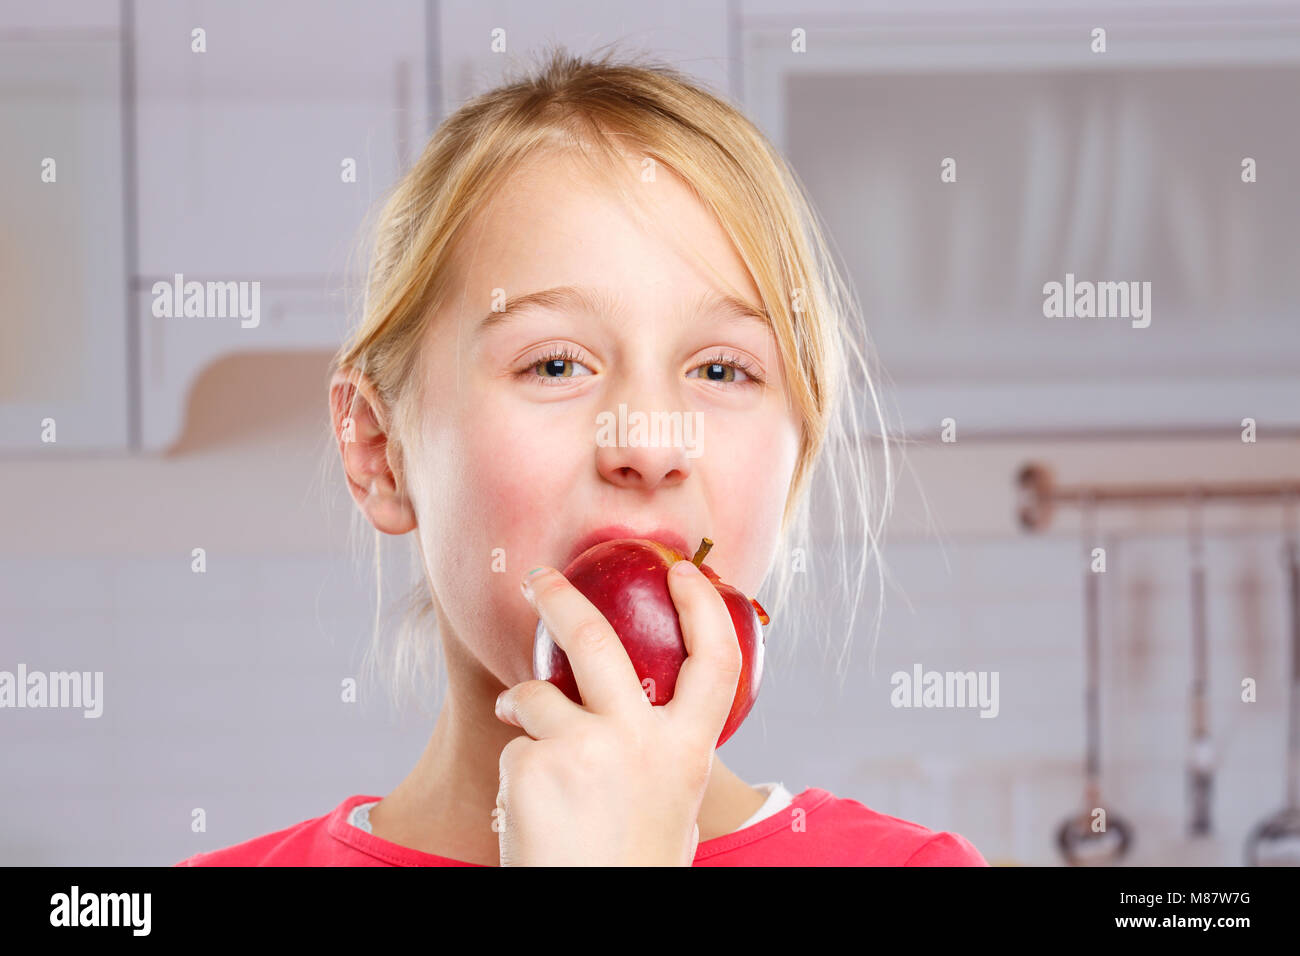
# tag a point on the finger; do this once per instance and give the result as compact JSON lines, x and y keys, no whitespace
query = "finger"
{"x":607,"y":681}
{"x":539,"y":709}
{"x":706,"y":683}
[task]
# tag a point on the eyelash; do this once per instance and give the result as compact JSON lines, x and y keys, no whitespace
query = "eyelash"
{"x":729,"y":359}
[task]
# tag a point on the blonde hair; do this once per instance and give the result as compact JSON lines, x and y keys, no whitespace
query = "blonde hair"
{"x":600,"y":108}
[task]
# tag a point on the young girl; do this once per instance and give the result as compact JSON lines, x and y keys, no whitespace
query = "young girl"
{"x":603,"y":237}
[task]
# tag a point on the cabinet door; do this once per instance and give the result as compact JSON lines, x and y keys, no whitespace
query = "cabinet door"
{"x":970,"y":174}
{"x":63,"y":307}
{"x":241,"y":151}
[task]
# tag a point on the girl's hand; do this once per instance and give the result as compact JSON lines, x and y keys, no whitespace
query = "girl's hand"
{"x":615,"y":781}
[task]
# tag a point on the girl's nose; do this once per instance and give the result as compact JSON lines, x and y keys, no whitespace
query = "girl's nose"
{"x":643,"y":449}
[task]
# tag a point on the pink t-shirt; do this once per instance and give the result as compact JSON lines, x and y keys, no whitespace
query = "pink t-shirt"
{"x":816,"y":829}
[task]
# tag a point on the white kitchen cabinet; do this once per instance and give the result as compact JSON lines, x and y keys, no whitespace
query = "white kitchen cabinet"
{"x":1071,"y":165}
{"x":221,"y":166}
{"x":241,"y":152}
{"x":63,"y":324}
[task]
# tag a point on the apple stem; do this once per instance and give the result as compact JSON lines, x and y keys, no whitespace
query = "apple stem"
{"x":705,"y":546}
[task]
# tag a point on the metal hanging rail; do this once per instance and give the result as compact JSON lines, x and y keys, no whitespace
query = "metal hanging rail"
{"x":1040,"y":494}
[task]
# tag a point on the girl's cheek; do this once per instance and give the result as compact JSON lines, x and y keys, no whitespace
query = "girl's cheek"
{"x":757,"y":466}
{"x":521,"y":480}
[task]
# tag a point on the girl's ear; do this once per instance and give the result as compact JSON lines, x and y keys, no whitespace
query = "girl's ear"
{"x":361,"y":428}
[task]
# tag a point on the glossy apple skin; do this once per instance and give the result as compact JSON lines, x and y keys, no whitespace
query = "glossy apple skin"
{"x":627,"y":581}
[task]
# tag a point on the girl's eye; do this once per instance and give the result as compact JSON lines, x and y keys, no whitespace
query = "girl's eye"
{"x":553,"y":366}
{"x":724,"y":368}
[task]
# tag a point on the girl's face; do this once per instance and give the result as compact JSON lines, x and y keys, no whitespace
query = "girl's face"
{"x":528,"y":438}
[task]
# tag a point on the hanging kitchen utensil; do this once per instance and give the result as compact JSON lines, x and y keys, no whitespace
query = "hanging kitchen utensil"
{"x":1089,"y":839}
{"x":1200,"y":766}
{"x":1276,"y":841}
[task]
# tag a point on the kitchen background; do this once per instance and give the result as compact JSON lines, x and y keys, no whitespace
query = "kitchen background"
{"x":221,"y":690}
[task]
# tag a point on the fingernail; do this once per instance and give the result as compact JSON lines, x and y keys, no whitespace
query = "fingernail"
{"x":685,"y":568}
{"x":497,"y":706}
{"x":526,"y":584}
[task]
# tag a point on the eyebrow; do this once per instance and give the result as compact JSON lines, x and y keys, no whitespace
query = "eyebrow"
{"x":599,"y":302}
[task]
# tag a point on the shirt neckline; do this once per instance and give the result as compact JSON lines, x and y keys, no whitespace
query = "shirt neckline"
{"x":337,"y":826}
{"x":776,"y":799}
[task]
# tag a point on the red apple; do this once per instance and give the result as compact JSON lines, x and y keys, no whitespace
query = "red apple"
{"x":627,"y":581}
